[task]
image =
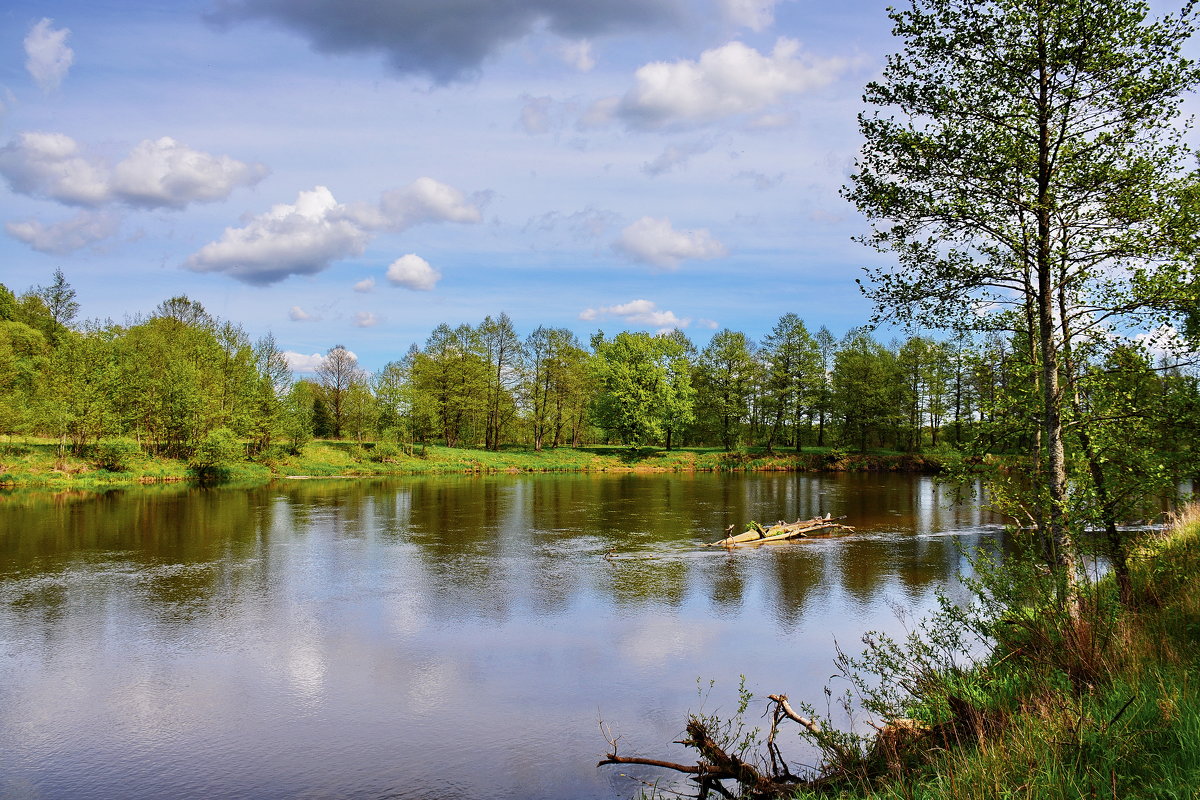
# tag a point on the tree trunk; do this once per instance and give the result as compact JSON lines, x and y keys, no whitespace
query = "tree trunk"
{"x":1056,"y":526}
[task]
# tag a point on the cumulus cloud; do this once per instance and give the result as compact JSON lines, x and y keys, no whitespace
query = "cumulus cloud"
{"x":757,"y":15}
{"x":653,"y":241}
{"x":299,"y":362}
{"x":730,"y":80}
{"x":298,"y":314}
{"x":307,"y":364}
{"x":162,"y":173}
{"x":447,"y":41}
{"x":413,"y":272}
{"x":424,"y":200}
{"x":300,"y":238}
{"x":305,"y":237}
{"x":84,"y":229}
{"x":52,"y":166}
{"x":365,"y":285}
{"x":167,"y":174}
{"x":48,"y":59}
{"x":365,"y":319}
{"x":638,"y":312}
{"x":675,"y":156}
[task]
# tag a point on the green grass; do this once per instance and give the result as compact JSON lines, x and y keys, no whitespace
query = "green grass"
{"x":41,"y":462}
{"x":1111,"y":710}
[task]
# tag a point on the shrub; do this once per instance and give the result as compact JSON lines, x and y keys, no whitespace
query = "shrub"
{"x":115,"y":454}
{"x":384,"y":452}
{"x":215,"y":454}
{"x":274,"y":454}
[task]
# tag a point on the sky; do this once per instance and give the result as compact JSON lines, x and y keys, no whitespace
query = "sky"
{"x":356,"y":172}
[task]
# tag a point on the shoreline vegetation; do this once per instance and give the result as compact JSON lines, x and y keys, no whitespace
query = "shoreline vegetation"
{"x":35,"y":463}
{"x":1099,"y":703}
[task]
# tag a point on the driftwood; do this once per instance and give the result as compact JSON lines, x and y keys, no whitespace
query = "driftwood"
{"x":714,"y":766}
{"x":771,"y":779}
{"x":818,"y":527}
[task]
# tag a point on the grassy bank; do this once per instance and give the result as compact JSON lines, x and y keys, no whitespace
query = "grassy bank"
{"x":43,"y":463}
{"x":1108,"y":707}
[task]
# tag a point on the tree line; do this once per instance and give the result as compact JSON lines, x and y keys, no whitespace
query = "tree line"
{"x":170,"y":378}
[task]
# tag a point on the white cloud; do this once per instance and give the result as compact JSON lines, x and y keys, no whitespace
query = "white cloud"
{"x":578,"y":54}
{"x":365,"y":319}
{"x":300,"y":238}
{"x":167,"y":174}
{"x":48,"y":58}
{"x":413,"y":272}
{"x":674,"y":156}
{"x":757,"y":15}
{"x":424,"y":200}
{"x":726,"y":81}
{"x":1165,"y":344}
{"x":654,"y":241}
{"x":365,"y":285}
{"x":638,"y":312}
{"x":156,"y":174}
{"x":84,"y":229}
{"x":52,"y":166}
{"x":305,"y":237}
{"x":298,"y":314}
{"x":298,"y":362}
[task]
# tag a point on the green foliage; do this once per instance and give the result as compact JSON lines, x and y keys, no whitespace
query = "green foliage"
{"x":726,"y":375}
{"x":645,"y":388}
{"x":59,"y":299}
{"x":1052,"y":200}
{"x":116,"y":454}
{"x":216,"y":454}
{"x":385,"y":452}
{"x":868,"y":392}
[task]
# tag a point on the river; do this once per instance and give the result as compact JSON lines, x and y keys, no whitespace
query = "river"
{"x":451,"y":637}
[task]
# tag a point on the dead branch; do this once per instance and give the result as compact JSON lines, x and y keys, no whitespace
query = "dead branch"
{"x":823,"y":739}
{"x":689,"y":769}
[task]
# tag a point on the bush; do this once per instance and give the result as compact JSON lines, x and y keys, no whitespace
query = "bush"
{"x":384,"y":452}
{"x":274,"y":454}
{"x":115,"y":454}
{"x":216,"y":453}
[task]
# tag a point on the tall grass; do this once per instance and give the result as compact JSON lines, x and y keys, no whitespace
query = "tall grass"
{"x":1103,"y":706}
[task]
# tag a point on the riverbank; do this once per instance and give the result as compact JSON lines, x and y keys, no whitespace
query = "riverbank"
{"x":1108,"y":707}
{"x":30,"y":463}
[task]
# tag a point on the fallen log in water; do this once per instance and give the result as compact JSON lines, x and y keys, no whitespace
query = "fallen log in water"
{"x":785,"y":531}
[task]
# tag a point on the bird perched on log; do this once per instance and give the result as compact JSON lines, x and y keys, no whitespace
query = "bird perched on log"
{"x":730,"y":528}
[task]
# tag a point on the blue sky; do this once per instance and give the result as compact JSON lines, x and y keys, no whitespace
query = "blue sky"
{"x":357,"y":171}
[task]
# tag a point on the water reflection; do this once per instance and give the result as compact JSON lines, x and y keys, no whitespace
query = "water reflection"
{"x":450,"y":637}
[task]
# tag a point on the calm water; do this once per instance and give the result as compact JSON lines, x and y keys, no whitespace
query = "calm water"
{"x":427,"y":638}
